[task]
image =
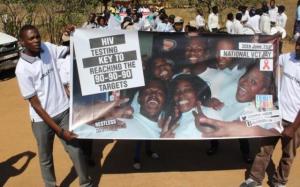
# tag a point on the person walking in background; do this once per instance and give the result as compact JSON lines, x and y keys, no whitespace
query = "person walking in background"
{"x":229,"y":23}
{"x":213,"y":20}
{"x":265,"y":22}
{"x":200,"y":20}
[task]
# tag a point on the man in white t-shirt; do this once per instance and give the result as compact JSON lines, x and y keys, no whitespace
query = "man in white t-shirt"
{"x":200,"y":21}
{"x":254,"y":19}
{"x":213,"y":20}
{"x":40,"y":84}
{"x":237,"y":25}
{"x":289,"y":103}
{"x":273,"y":11}
{"x":229,"y":23}
{"x":265,"y":21}
{"x":281,"y":17}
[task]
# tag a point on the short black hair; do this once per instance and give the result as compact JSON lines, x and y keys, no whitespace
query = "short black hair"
{"x":201,"y":87}
{"x":281,"y":8}
{"x":239,"y":16}
{"x":160,"y":82}
{"x":230,"y":16}
{"x":26,"y":28}
{"x":268,"y":75}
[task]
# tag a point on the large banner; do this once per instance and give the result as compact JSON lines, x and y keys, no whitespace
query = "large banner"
{"x":150,"y":85}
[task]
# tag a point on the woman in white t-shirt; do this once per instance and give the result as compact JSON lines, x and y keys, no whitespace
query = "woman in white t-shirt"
{"x":186,"y":93}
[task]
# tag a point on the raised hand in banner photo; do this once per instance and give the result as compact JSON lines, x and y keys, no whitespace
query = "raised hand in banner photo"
{"x":215,"y":103}
{"x":202,"y":127}
{"x":167,"y":127}
{"x":100,"y":110}
{"x":234,"y":129}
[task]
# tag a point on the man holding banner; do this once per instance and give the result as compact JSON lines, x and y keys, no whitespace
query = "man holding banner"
{"x":290,"y":140}
{"x":40,"y":84}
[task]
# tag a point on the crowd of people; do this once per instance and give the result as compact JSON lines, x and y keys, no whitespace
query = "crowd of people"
{"x":268,"y":19}
{"x":43,"y":78}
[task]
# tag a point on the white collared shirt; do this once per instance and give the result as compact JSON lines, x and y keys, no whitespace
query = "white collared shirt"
{"x":265,"y":24}
{"x":40,"y":77}
{"x":281,"y":20}
{"x":200,"y":21}
{"x":213,"y":21}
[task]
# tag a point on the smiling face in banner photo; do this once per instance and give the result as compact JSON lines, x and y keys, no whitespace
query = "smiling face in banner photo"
{"x":220,"y":77}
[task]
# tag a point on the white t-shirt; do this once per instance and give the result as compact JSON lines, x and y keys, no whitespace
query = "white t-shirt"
{"x":237,"y":27}
{"x":273,"y":12}
{"x":229,"y":27}
{"x":63,"y":65}
{"x":213,"y":21}
{"x":187,"y":128}
{"x":40,"y":77}
{"x":200,"y":21}
{"x":281,"y":20}
{"x":254,"y":23}
{"x":289,"y":97}
{"x":265,"y":24}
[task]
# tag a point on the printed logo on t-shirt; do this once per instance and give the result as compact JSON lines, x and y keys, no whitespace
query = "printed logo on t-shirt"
{"x":46,"y":73}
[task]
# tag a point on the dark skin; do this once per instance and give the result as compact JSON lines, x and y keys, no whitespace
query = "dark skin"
{"x":31,"y":41}
{"x":289,"y":131}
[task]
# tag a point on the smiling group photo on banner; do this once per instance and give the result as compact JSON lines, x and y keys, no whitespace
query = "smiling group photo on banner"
{"x":147,"y":85}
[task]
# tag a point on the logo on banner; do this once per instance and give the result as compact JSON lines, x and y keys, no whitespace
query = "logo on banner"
{"x":264,"y":102}
{"x":266,"y":65}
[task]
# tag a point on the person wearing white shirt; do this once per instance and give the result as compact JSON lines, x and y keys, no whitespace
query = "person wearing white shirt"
{"x":229,"y":23}
{"x":40,"y":84}
{"x":273,"y":11}
{"x":187,"y":92}
{"x":200,"y":21}
{"x":245,"y":13}
{"x":289,"y":105}
{"x":162,"y":26}
{"x":213,"y":20}
{"x":281,"y":18}
{"x":265,"y":22}
{"x":237,"y":25}
{"x":254,"y":20}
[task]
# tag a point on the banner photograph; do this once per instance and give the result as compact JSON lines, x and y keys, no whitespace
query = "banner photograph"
{"x":151,"y":85}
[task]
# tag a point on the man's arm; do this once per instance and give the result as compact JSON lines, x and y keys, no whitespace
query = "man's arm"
{"x":36,"y":104}
{"x":290,"y":130}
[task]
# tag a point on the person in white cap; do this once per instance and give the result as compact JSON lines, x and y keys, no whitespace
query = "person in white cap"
{"x":178,"y":24}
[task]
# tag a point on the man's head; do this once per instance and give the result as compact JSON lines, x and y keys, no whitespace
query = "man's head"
{"x":195,"y":50}
{"x":178,"y":24}
{"x":152,"y":99}
{"x":230,"y":16}
{"x":224,"y":44}
{"x":281,"y":9}
{"x":238,"y":16}
{"x":272,"y":3}
{"x":30,"y":39}
{"x":92,"y":17}
{"x":215,"y":9}
{"x":253,"y":82}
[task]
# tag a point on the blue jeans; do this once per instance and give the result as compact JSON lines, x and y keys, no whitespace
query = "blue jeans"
{"x":44,"y":136}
